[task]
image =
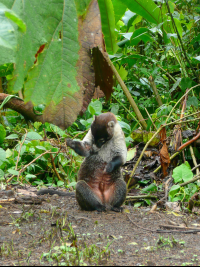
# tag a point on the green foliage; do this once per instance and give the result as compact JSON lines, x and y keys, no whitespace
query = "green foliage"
{"x":162,"y":242}
{"x":71,"y":254}
{"x":2,"y":133}
{"x":8,"y":34}
{"x":182,"y":174}
{"x":108,"y":24}
{"x":25,"y":148}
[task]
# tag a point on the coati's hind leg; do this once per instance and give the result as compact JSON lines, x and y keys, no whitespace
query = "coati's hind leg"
{"x":86,"y":197}
{"x":119,"y":195}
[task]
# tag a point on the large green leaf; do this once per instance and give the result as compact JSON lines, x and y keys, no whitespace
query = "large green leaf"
{"x":119,"y":9}
{"x":8,"y":41}
{"x":53,"y":62}
{"x":2,"y":133}
{"x":47,"y":57}
{"x":182,"y":173}
{"x":57,"y":64}
{"x":146,"y":8}
{"x":7,"y":3}
{"x":108,"y":25}
{"x":151,"y":12}
{"x":140,"y":34}
{"x":170,"y":33}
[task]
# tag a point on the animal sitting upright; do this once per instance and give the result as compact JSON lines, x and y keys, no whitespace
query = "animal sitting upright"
{"x":100,"y":183}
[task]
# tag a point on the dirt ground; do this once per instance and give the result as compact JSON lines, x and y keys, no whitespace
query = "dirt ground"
{"x":109,"y":238}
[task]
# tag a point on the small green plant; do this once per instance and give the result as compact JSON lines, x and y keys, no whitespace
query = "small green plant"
{"x":162,"y":242}
{"x":6,"y":249}
{"x":182,"y":174}
{"x":71,"y":254}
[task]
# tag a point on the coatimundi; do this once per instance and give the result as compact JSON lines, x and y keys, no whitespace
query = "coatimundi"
{"x":100,"y":183}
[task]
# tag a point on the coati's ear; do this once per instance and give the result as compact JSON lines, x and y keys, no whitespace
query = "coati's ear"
{"x":111,"y":124}
{"x":94,"y":118}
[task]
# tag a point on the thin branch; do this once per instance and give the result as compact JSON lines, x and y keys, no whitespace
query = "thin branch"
{"x":167,"y":73}
{"x":194,"y":179}
{"x":23,"y":169}
{"x":153,"y":85}
{"x":151,"y":119}
{"x":140,"y":196}
{"x":20,"y":149}
{"x":149,"y":230}
{"x":194,"y":159}
{"x":180,"y":101}
{"x":195,"y":167}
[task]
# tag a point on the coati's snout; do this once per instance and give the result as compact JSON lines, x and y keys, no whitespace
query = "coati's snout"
{"x":103,"y":128}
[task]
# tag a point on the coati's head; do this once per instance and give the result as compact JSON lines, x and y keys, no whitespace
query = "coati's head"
{"x":103,"y":128}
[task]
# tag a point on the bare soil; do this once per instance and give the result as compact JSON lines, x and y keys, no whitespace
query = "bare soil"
{"x":28,"y":230}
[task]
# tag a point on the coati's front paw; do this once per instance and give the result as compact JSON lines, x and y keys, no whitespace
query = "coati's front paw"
{"x":109,"y":168}
{"x":117,"y":209}
{"x":70,"y":143}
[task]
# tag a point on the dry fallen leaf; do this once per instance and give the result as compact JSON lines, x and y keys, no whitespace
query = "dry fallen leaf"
{"x":164,"y":155}
{"x":126,"y":211}
{"x":133,"y":244}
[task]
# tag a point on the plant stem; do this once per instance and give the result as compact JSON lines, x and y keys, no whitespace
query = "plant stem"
{"x":125,"y":108}
{"x":153,"y":85}
{"x":194,"y":179}
{"x":140,"y":196}
{"x":151,"y":119}
{"x":127,"y":93}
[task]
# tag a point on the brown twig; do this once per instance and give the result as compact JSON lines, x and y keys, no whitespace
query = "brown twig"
{"x":194,"y":179}
{"x":178,"y":227}
{"x":154,"y":207}
{"x":52,"y":159}
{"x":177,"y":232}
{"x":20,"y":149}
{"x":194,"y":159}
{"x":149,"y":230}
{"x":189,"y":142}
{"x":54,"y":168}
{"x":179,"y":101}
{"x":168,"y":74}
{"x":195,"y":167}
{"x":3,"y":201}
{"x":129,"y":198}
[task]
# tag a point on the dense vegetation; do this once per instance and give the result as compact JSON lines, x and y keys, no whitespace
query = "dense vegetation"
{"x":155,"y":50}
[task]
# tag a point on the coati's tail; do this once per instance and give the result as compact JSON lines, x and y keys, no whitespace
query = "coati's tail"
{"x":53,"y":192}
